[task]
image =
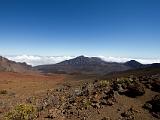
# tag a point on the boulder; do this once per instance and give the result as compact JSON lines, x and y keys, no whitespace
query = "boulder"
{"x":154,"y":106}
{"x":135,"y":89}
{"x":156,"y":103}
{"x":129,"y":114}
{"x":156,"y":85}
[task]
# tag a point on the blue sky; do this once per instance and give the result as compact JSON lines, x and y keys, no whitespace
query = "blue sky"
{"x":125,"y":28}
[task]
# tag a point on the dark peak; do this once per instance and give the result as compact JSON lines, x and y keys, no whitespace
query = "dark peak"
{"x":81,"y":56}
{"x":84,"y":57}
{"x":134,"y":64}
{"x":82,"y":60}
{"x":133,"y":61}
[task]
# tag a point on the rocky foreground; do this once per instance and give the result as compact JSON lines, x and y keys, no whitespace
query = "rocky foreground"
{"x":130,"y":98}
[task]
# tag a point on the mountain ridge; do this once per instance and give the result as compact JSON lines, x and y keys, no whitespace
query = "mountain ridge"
{"x":82,"y":64}
{"x":12,"y":66}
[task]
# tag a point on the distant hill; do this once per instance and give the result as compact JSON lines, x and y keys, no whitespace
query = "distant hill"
{"x":82,"y":60}
{"x":11,"y":66}
{"x":154,"y":65}
{"x":134,"y":64}
{"x":91,"y":65}
{"x":82,"y":64}
{"x":147,"y":71}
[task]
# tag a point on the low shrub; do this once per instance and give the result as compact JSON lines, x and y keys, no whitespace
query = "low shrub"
{"x":104,"y":83}
{"x":22,"y":112}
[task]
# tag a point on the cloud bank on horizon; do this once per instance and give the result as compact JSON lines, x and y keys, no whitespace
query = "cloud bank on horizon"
{"x":41,"y":60}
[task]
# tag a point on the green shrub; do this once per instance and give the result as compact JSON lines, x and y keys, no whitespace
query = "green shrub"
{"x":104,"y":83}
{"x":86,"y":103}
{"x":22,"y":112}
{"x":124,"y":81}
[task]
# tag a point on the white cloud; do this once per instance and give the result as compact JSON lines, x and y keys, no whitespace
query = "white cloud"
{"x":40,"y":60}
{"x":121,"y":59}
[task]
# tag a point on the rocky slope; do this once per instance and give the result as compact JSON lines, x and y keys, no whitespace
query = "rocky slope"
{"x":11,"y":66}
{"x":123,"y":98}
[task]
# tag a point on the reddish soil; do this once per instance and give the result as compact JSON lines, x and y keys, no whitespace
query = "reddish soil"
{"x":24,"y":85}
